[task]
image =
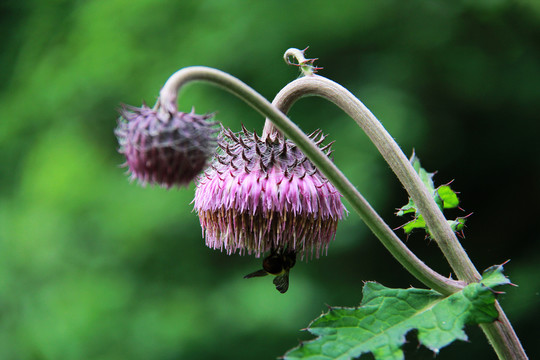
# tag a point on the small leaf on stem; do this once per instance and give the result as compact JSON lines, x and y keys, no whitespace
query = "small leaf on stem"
{"x":444,"y":197}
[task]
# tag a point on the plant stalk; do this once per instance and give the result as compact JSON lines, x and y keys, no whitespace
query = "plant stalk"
{"x":168,"y":99}
{"x":500,"y":334}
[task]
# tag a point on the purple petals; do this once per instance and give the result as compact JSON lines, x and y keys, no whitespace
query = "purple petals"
{"x":259,"y":195}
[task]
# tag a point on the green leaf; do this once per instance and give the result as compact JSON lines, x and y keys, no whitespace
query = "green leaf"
{"x":448,"y":197}
{"x":494,"y":276}
{"x":416,"y":223}
{"x":426,"y":177}
{"x":409,"y":208}
{"x":458,"y":224}
{"x":379,"y":325}
{"x":444,"y":197}
{"x":419,"y":223}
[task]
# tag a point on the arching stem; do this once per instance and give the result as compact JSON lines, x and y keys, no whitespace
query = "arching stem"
{"x":168,"y":98}
{"x":315,"y":85}
{"x":500,"y":334}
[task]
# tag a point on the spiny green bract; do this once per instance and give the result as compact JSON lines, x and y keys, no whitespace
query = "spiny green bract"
{"x":444,"y":197}
{"x":379,"y":325}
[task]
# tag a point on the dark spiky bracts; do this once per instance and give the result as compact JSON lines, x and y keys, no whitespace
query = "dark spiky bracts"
{"x":260,"y":195}
{"x":165,"y":148}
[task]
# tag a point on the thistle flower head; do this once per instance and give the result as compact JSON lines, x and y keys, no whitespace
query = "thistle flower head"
{"x":165,"y":148}
{"x":262,"y":195}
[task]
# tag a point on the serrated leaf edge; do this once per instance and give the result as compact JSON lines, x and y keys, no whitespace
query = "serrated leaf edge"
{"x":489,"y":271}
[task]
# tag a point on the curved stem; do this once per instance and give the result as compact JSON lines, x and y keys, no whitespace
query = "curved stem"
{"x":415,"y":266}
{"x":389,"y":149}
{"x":500,"y":334}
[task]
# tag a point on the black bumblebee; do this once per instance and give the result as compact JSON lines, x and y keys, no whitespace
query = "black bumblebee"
{"x":278,"y":263}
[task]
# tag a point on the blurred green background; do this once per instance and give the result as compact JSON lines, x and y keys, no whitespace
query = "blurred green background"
{"x":93,"y":267}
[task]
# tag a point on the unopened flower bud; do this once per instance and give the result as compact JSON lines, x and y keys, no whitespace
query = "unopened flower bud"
{"x":165,"y":148}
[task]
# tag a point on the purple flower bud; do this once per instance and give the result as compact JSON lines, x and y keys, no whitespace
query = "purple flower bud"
{"x":262,"y":195}
{"x":165,"y":148}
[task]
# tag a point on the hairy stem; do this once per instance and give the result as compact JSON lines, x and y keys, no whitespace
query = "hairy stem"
{"x":415,"y":266}
{"x":500,"y":334}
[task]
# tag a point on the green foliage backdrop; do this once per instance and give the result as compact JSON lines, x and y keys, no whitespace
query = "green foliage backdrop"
{"x":93,"y":267}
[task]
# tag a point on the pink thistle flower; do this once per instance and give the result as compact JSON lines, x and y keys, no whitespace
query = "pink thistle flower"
{"x":259,"y":196}
{"x":165,"y":148}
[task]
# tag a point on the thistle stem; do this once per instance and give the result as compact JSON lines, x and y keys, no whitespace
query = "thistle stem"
{"x":394,"y":156}
{"x":415,"y":266}
{"x":500,"y":334}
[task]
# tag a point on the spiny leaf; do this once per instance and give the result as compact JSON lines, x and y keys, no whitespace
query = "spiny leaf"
{"x":426,"y":177}
{"x":457,"y":225}
{"x":417,"y":223}
{"x":448,"y":197}
{"x":406,"y":209}
{"x":494,"y":276}
{"x":444,"y":197}
{"x":379,"y":325}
